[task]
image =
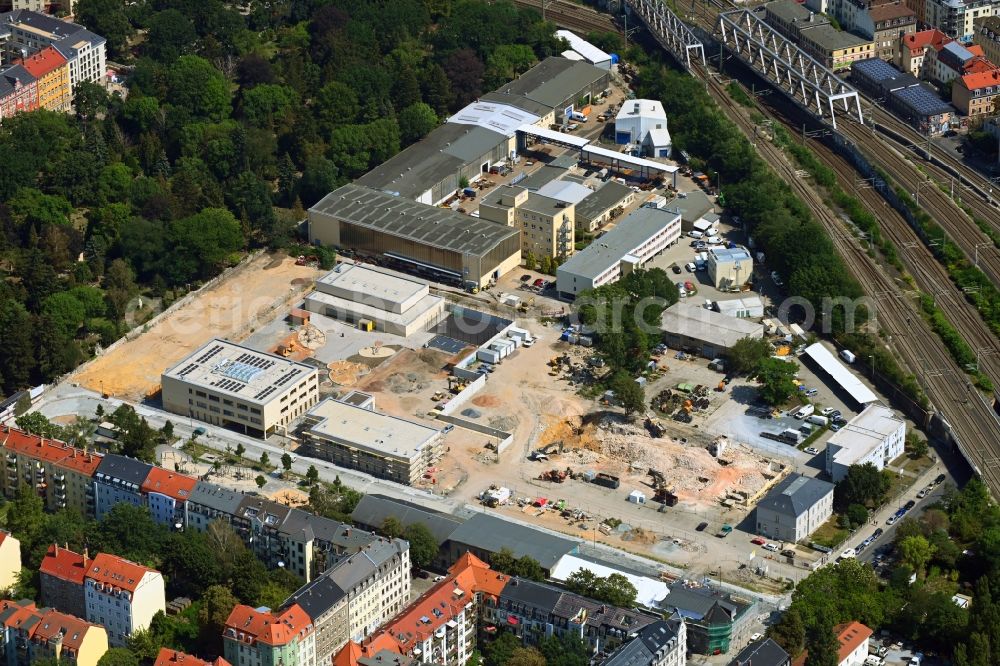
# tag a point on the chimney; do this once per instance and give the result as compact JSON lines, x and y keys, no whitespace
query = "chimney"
{"x":86,"y":556}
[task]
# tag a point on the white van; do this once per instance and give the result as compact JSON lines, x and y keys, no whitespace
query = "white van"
{"x":818,"y":420}
{"x":847,"y":355}
{"x":695,"y":234}
{"x":805,"y":411}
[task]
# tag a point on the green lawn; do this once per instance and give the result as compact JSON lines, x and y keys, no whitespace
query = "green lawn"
{"x":830,"y":534}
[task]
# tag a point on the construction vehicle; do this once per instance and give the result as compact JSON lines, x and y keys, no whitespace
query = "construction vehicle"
{"x":662,"y":492}
{"x":607,"y":480}
{"x":438,"y":396}
{"x":524,"y":305}
{"x":655,"y":427}
{"x":287,"y":349}
{"x":556,"y":475}
{"x":456,"y":384}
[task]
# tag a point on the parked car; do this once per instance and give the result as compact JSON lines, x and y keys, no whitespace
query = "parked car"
{"x":836,"y":415}
{"x":826,"y":411}
{"x":812,"y":450}
{"x":525,"y":278}
{"x":788,"y":552}
{"x":756,"y":637}
{"x":539,"y":283}
{"x":701,"y":527}
{"x":922,"y":494}
{"x":847,"y":554}
{"x":676,"y":269}
{"x":878,"y":532}
{"x":758,"y":541}
{"x":940,"y":479}
{"x":909,"y":505}
{"x":835,"y":427}
{"x":772,"y":547}
{"x":891,"y":520}
{"x":811,"y":392}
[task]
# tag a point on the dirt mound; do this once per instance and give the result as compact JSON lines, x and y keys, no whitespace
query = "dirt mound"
{"x":301,"y":281}
{"x":346,"y":373}
{"x":486,"y":401}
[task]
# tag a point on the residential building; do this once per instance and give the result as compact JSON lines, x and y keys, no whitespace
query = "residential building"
{"x":603,"y":205}
{"x":61,"y":577}
{"x":832,"y":48}
{"x":705,"y":332}
{"x":326,"y":605}
{"x":533,"y":611}
{"x":875,"y":436}
{"x":790,"y":18}
{"x":913,"y":49}
{"x":208,"y":503}
{"x":32,"y":634}
{"x":716,"y":620}
{"x":264,"y":638}
{"x":953,"y":60}
{"x":392,"y":302}
{"x":23,"y":33}
{"x":729,"y":268}
{"x":975,"y":95}
{"x":122,"y":596}
{"x":63,"y":475}
{"x":587,"y":51}
{"x":166,"y":493}
{"x":795,"y":508}
{"x":642,"y":125}
{"x":956,"y":18}
{"x":169,"y":657}
{"x":10,"y":560}
{"x":547,"y":225}
{"x":358,"y":437}
{"x":662,"y":643}
{"x":890,"y":22}
{"x":987,"y":37}
{"x":762,"y":653}
{"x":118,"y":479}
{"x":51,"y":69}
{"x":426,"y":240}
{"x":853,"y":638}
{"x":637,"y":238}
{"x":18,"y":91}
{"x":231,"y":385}
{"x":64,"y":7}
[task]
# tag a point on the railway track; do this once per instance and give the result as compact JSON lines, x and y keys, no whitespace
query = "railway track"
{"x":572,"y":16}
{"x":909,"y":336}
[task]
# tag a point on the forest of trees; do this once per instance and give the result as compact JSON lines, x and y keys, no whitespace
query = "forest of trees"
{"x":233,"y":124}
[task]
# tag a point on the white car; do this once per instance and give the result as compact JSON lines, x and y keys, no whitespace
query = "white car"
{"x":756,"y":637}
{"x":826,"y":411}
{"x":847,"y":554}
{"x":812,"y":450}
{"x":773,"y":547}
{"x":714,"y":240}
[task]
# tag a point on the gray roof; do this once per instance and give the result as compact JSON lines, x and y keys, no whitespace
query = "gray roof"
{"x":707,"y":326}
{"x":66,"y":32}
{"x":762,"y":653}
{"x":829,"y":38}
{"x":641,"y":650}
{"x":216,"y":497}
{"x":698,"y":603}
{"x":317,"y":596}
{"x":372,"y":511}
{"x":428,"y":225}
{"x":351,"y":571}
{"x":561,"y":604}
{"x":519,"y":101}
{"x":552,"y":81}
{"x":692,"y":207}
{"x":443,"y":152}
{"x":792,"y":12}
{"x":543,"y":176}
{"x":631,"y":231}
{"x":608,"y":196}
{"x":795,"y":495}
{"x":493,"y":534}
{"x":11,"y":76}
{"x":128,"y":470}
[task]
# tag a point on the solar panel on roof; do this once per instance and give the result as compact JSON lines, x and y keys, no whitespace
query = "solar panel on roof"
{"x":876,"y":69}
{"x":921,"y":101}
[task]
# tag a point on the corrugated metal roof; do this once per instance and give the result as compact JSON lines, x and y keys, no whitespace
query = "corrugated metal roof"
{"x":840,"y":374}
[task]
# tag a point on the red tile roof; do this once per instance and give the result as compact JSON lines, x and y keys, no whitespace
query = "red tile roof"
{"x":979,"y":80}
{"x":116,"y":571}
{"x":53,"y":451}
{"x":3,"y":536}
{"x":168,"y":657}
{"x":171,"y":484}
{"x":64,"y":564}
{"x":918,"y":41}
{"x":267,"y":627}
{"x":48,"y":623}
{"x":850,"y":636}
{"x":43,"y":62}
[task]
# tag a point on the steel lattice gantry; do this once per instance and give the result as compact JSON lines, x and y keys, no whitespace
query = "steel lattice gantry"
{"x":669,"y":31}
{"x":783,"y":63}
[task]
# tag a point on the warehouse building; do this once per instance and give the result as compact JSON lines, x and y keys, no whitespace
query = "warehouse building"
{"x":350,"y":433}
{"x":554,"y":84}
{"x":795,"y":508}
{"x":386,"y":300}
{"x":704,"y":332}
{"x":729,"y":268}
{"x":694,"y":207}
{"x":599,"y":207}
{"x":546,"y":225}
{"x":642,"y":124}
{"x":904,"y":94}
{"x":875,"y":436}
{"x":749,"y":307}
{"x":432,"y":242}
{"x":635,"y":240}
{"x":581,"y":49}
{"x":227,"y":384}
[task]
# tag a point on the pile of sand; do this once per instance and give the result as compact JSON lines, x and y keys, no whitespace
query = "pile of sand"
{"x":486,"y":401}
{"x":346,"y":373}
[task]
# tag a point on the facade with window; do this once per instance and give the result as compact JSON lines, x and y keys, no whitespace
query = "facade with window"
{"x":122,"y":596}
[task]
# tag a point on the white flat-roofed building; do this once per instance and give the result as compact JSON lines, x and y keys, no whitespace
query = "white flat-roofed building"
{"x":587,"y":51}
{"x":643,"y":124}
{"x":875,"y":436}
{"x":729,"y":268}
{"x":706,"y":332}
{"x":358,"y":437}
{"x":749,"y":307}
{"x":227,"y":384}
{"x":637,"y":238}
{"x":393,"y":302}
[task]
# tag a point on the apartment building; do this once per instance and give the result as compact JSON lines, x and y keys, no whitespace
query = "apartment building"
{"x":325,"y":603}
{"x":208,"y":503}
{"x":51,"y":69}
{"x":834,"y":49}
{"x":547,"y":225}
{"x":913,"y":49}
{"x":18,"y":91}
{"x":987,"y":37}
{"x":166,"y":494}
{"x":122,"y":596}
{"x":795,"y":508}
{"x":118,"y":479}
{"x":61,"y":474}
{"x":32,"y":634}
{"x":24,"y":32}
{"x":260,"y":637}
{"x":663,"y":643}
{"x":10,"y":560}
{"x":875,"y":436}
{"x":230,"y":385}
{"x":954,"y":60}
{"x":169,"y":657}
{"x":889,"y":23}
{"x":976,"y":95}
{"x":61,"y":576}
{"x":956,"y":18}
{"x":46,"y":6}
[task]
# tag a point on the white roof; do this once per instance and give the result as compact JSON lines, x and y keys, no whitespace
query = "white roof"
{"x":728,"y":307}
{"x":590,"y":52}
{"x":641,"y":108}
{"x":368,"y":430}
{"x":863,"y":433}
{"x":572,"y":55}
{"x":640,"y":162}
{"x":659,"y":136}
{"x":840,"y":374}
{"x":697,"y":323}
{"x":501,"y":118}
{"x":373,"y":285}
{"x":552,"y":135}
{"x":565,"y":190}
{"x":650,"y":591}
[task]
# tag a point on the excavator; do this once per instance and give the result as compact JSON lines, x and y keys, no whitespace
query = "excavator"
{"x":663,"y":492}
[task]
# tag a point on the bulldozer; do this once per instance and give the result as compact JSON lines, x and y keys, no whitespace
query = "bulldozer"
{"x":456,"y":384}
{"x":655,"y":427}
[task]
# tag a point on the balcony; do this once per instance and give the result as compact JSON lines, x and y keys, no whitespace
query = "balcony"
{"x":11,"y":458}
{"x":59,"y":478}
